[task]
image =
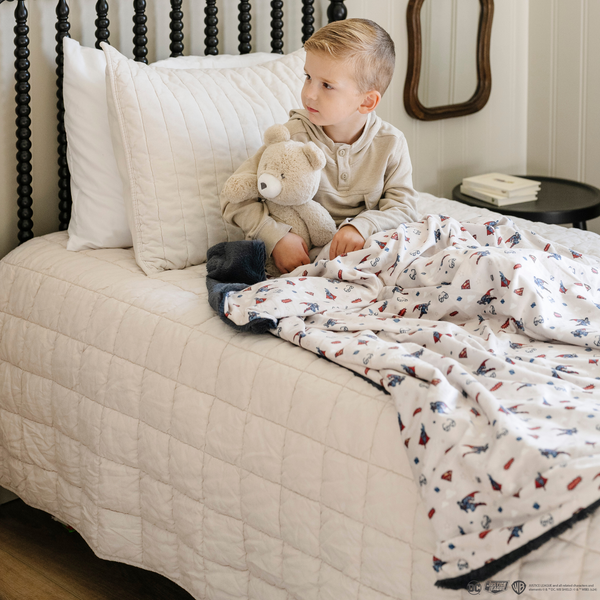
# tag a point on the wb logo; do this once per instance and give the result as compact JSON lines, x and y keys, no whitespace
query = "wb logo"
{"x":519,"y":587}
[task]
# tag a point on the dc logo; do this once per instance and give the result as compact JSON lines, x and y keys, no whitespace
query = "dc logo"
{"x":519,"y":587}
{"x":473,"y":587}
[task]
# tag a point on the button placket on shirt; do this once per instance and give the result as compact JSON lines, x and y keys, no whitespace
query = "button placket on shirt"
{"x":343,"y":163}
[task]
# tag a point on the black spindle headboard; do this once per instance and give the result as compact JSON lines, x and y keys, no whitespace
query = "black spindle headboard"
{"x":102,"y":23}
{"x":22,"y":88}
{"x":176,"y":25}
{"x":308,"y":20}
{"x":211,"y":30}
{"x":336,"y":11}
{"x":64,"y":179}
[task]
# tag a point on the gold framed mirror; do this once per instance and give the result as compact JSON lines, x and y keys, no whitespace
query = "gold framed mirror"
{"x":415,"y":106}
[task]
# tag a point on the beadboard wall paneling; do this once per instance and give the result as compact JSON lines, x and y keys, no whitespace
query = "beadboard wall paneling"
{"x":442,"y":152}
{"x":563,"y":122}
{"x":445,"y":151}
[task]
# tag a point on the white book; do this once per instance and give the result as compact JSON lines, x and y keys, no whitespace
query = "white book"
{"x":496,"y":200}
{"x":500,"y":184}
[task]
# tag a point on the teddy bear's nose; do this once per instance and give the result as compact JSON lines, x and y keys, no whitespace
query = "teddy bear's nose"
{"x":269,"y":186}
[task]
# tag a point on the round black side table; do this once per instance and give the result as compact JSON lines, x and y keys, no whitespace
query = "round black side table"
{"x":559,"y":201}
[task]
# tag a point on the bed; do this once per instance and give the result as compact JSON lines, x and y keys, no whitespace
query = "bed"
{"x":238,"y":465}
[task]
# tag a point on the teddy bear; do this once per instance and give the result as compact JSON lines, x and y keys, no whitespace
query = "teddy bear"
{"x":287,"y":179}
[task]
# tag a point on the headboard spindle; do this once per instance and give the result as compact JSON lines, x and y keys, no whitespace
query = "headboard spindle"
{"x":64,"y":178}
{"x":336,"y":11}
{"x":211,"y":31}
{"x":277,"y":26}
{"x":102,"y":23}
{"x":23,"y":122}
{"x":307,"y":19}
{"x":176,"y":25}
{"x":244,"y":27}
{"x":140,"y":50}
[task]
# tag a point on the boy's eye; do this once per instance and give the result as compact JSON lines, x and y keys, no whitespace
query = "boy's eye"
{"x":307,"y":75}
{"x":327,"y":86}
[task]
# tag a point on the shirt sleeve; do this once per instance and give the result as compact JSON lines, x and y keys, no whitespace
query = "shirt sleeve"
{"x":398,"y":203}
{"x":252,"y":216}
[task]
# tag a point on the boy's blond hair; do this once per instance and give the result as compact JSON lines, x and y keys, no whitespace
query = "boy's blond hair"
{"x":364,"y":43}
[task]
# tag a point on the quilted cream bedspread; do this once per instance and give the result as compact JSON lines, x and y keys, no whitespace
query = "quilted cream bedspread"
{"x":238,"y":465}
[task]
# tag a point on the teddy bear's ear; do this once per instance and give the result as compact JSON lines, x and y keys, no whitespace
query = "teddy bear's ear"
{"x":276,"y":133}
{"x":315,"y":156}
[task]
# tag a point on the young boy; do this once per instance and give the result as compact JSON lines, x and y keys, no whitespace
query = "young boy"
{"x":366,"y":185}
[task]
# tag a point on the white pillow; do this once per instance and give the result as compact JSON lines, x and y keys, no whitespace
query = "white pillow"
{"x":98,"y":218}
{"x":178,"y":135}
{"x":220,"y":61}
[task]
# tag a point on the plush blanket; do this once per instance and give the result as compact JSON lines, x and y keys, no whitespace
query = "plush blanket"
{"x":487,"y":338}
{"x":230,"y":267}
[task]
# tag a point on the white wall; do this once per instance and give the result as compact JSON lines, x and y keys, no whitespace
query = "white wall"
{"x":442,"y":152}
{"x":564,"y":91}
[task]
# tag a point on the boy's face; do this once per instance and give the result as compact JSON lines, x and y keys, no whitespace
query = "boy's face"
{"x":331,"y":96}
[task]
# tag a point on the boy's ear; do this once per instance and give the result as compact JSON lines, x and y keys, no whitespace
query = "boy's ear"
{"x":370,"y":102}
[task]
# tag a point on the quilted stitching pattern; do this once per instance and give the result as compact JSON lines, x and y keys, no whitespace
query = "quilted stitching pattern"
{"x":237,"y":465}
{"x":178,"y":135}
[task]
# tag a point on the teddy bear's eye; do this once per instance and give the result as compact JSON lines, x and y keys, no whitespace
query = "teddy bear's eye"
{"x":282,"y":176}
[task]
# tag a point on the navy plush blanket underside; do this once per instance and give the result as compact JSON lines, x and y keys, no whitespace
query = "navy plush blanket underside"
{"x":231,"y":267}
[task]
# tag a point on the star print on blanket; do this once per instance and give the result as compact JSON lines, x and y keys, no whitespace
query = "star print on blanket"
{"x":488,"y":339}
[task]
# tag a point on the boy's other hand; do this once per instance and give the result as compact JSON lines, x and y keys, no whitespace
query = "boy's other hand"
{"x":347,"y":239}
{"x":290,"y":252}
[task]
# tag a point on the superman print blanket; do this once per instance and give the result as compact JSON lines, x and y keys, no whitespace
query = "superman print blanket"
{"x":488,"y":339}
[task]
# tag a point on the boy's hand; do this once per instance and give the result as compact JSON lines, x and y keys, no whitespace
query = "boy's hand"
{"x":347,"y":239}
{"x":290,"y":252}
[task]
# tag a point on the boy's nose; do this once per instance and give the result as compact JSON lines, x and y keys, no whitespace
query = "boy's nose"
{"x":308,"y":92}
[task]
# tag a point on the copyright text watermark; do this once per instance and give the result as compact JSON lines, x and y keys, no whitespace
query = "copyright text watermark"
{"x":563,"y":587}
{"x":495,"y":587}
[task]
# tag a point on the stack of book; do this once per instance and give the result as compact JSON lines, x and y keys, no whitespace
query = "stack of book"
{"x":499,"y":189}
